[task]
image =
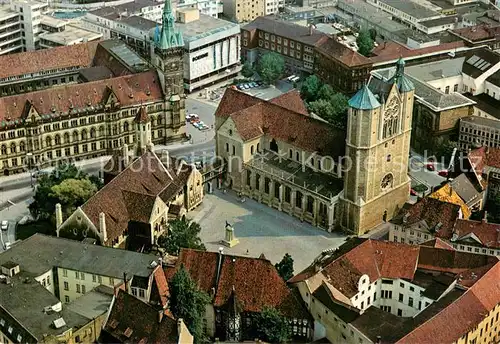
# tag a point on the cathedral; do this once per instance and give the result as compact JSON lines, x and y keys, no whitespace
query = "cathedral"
{"x":353,"y":179}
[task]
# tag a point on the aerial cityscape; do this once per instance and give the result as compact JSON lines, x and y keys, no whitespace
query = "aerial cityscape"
{"x":259,"y":171}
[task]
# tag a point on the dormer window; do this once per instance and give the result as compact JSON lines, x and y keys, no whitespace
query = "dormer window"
{"x":230,"y":131}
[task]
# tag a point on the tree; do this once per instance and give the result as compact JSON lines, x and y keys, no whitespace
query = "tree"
{"x":365,"y":43}
{"x":272,"y":326}
{"x":444,"y":151}
{"x":373,"y":34}
{"x":188,"y":302}
{"x":72,"y":193}
{"x":326,"y":92}
{"x":285,"y":267}
{"x":333,"y":110}
{"x":310,"y":88}
{"x":493,"y":208}
{"x":181,"y":234}
{"x":247,"y":70}
{"x":270,"y":67}
{"x":45,"y":198}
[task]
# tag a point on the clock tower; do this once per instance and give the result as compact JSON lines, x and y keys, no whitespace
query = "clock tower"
{"x":376,"y":182}
{"x":168,"y":57}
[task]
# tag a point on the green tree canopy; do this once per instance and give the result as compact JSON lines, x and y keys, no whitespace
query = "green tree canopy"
{"x":46,"y":196}
{"x":444,"y":151}
{"x":310,"y":88}
{"x":247,"y":70}
{"x":373,"y":34}
{"x":188,"y":302}
{"x":270,"y":67}
{"x":181,"y":234}
{"x":73,"y":192}
{"x":272,"y":326}
{"x":333,"y":110}
{"x":285,"y":267}
{"x":365,"y":43}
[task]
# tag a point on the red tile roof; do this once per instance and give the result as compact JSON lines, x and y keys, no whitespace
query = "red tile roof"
{"x":454,"y":262}
{"x":77,"y":55}
{"x":291,"y":101}
{"x":133,"y":321}
{"x":336,"y":50}
{"x":161,"y":286}
{"x":477,"y":33}
{"x":395,"y":51}
{"x":484,"y":156}
{"x":64,"y":100}
{"x":142,"y":115}
{"x":438,"y":243}
{"x":255,"y":282}
{"x":254,"y":117}
{"x":461,"y":316}
{"x":487,"y":233}
{"x":130,"y":195}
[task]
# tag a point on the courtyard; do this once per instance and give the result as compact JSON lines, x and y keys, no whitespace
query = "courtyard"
{"x":260,"y":229}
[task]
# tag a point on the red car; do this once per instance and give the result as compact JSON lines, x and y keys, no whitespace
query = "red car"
{"x":430,"y":166}
{"x":413,"y":192}
{"x":443,"y":173}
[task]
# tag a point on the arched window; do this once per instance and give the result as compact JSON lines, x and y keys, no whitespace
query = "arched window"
{"x":258,"y":147}
{"x":84,"y":134}
{"x":251,"y":150}
{"x":12,"y":147}
{"x":391,"y":119}
{"x":57,"y":139}
{"x":75,"y":136}
{"x":273,"y":146}
{"x":101,"y":131}
{"x":125,"y":126}
{"x":92,"y":132}
{"x":66,"y":137}
{"x":4,"y":150}
{"x":48,"y":141}
{"x":22,"y":147}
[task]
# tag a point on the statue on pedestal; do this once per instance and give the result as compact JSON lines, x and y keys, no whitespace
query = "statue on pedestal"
{"x":230,"y":239}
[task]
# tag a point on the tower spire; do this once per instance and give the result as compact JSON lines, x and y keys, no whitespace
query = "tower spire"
{"x":170,"y":37}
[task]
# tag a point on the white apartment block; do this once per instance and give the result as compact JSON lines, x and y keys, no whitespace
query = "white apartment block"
{"x":10,"y":31}
{"x":273,"y":6}
{"x":213,"y":8}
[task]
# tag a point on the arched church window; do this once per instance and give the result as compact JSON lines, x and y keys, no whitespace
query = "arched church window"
{"x":391,"y":119}
{"x":387,"y":181}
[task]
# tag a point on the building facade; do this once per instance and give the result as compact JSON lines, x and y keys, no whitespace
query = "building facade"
{"x":376,"y":183}
{"x":244,"y":10}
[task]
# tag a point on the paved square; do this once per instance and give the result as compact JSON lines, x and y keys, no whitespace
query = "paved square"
{"x":260,"y":229}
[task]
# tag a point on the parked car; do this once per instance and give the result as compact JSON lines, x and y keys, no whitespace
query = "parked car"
{"x":253,"y":84}
{"x":194,"y":118}
{"x":5,"y":225}
{"x":443,"y":173}
{"x":188,"y":117}
{"x":240,"y":86}
{"x":413,"y":192}
{"x":430,"y":166}
{"x":196,"y":125}
{"x":7,"y":245}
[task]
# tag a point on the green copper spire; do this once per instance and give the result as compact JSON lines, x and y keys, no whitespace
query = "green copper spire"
{"x":399,"y":78}
{"x":170,"y":37}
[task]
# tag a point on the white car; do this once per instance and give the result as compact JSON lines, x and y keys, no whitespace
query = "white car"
{"x":5,"y":225}
{"x":7,"y":245}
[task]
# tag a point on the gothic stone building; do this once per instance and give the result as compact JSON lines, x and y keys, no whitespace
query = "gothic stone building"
{"x":280,"y":156}
{"x":81,"y":104}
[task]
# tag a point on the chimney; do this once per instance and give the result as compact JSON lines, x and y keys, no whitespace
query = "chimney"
{"x":485,"y":217}
{"x":59,"y":217}
{"x":125,"y":281}
{"x":310,"y":30}
{"x":102,"y":227}
{"x":160,"y":316}
{"x":125,"y":156}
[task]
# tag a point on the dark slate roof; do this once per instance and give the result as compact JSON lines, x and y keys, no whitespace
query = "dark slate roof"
{"x":464,"y":188}
{"x":487,"y":104}
{"x":133,"y":321}
{"x":479,"y":62}
{"x":96,"y":73}
{"x":494,"y":78}
{"x":343,"y":311}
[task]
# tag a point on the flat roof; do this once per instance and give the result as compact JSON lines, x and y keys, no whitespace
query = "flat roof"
{"x":321,"y":183}
{"x":440,"y":21}
{"x":71,"y":35}
{"x":436,"y":70}
{"x":486,"y":122}
{"x":134,"y":7}
{"x":412,"y":8}
{"x":139,"y":23}
{"x":487,"y":104}
{"x":25,"y":300}
{"x":52,"y":21}
{"x":203,"y":27}
{"x":327,"y":28}
{"x":6,"y":12}
{"x":427,"y":94}
{"x":93,"y":303}
{"x":40,"y":253}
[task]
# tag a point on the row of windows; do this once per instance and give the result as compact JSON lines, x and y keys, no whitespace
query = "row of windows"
{"x":9,"y":331}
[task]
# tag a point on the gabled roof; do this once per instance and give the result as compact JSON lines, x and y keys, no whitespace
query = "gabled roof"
{"x":364,"y":99}
{"x":253,"y":282}
{"x":292,"y":101}
{"x":487,"y":233}
{"x":484,"y":156}
{"x":254,"y":117}
{"x":438,"y":243}
{"x":336,"y":50}
{"x":464,"y":188}
{"x":142,"y":115}
{"x":449,"y":195}
{"x":130,"y":195}
{"x":133,"y":321}
{"x":437,"y":214}
{"x":160,"y":292}
{"x":77,"y":55}
{"x":76,"y":98}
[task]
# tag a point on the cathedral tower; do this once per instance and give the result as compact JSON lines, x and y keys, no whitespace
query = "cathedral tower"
{"x":167,"y":55}
{"x":376,"y":182}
